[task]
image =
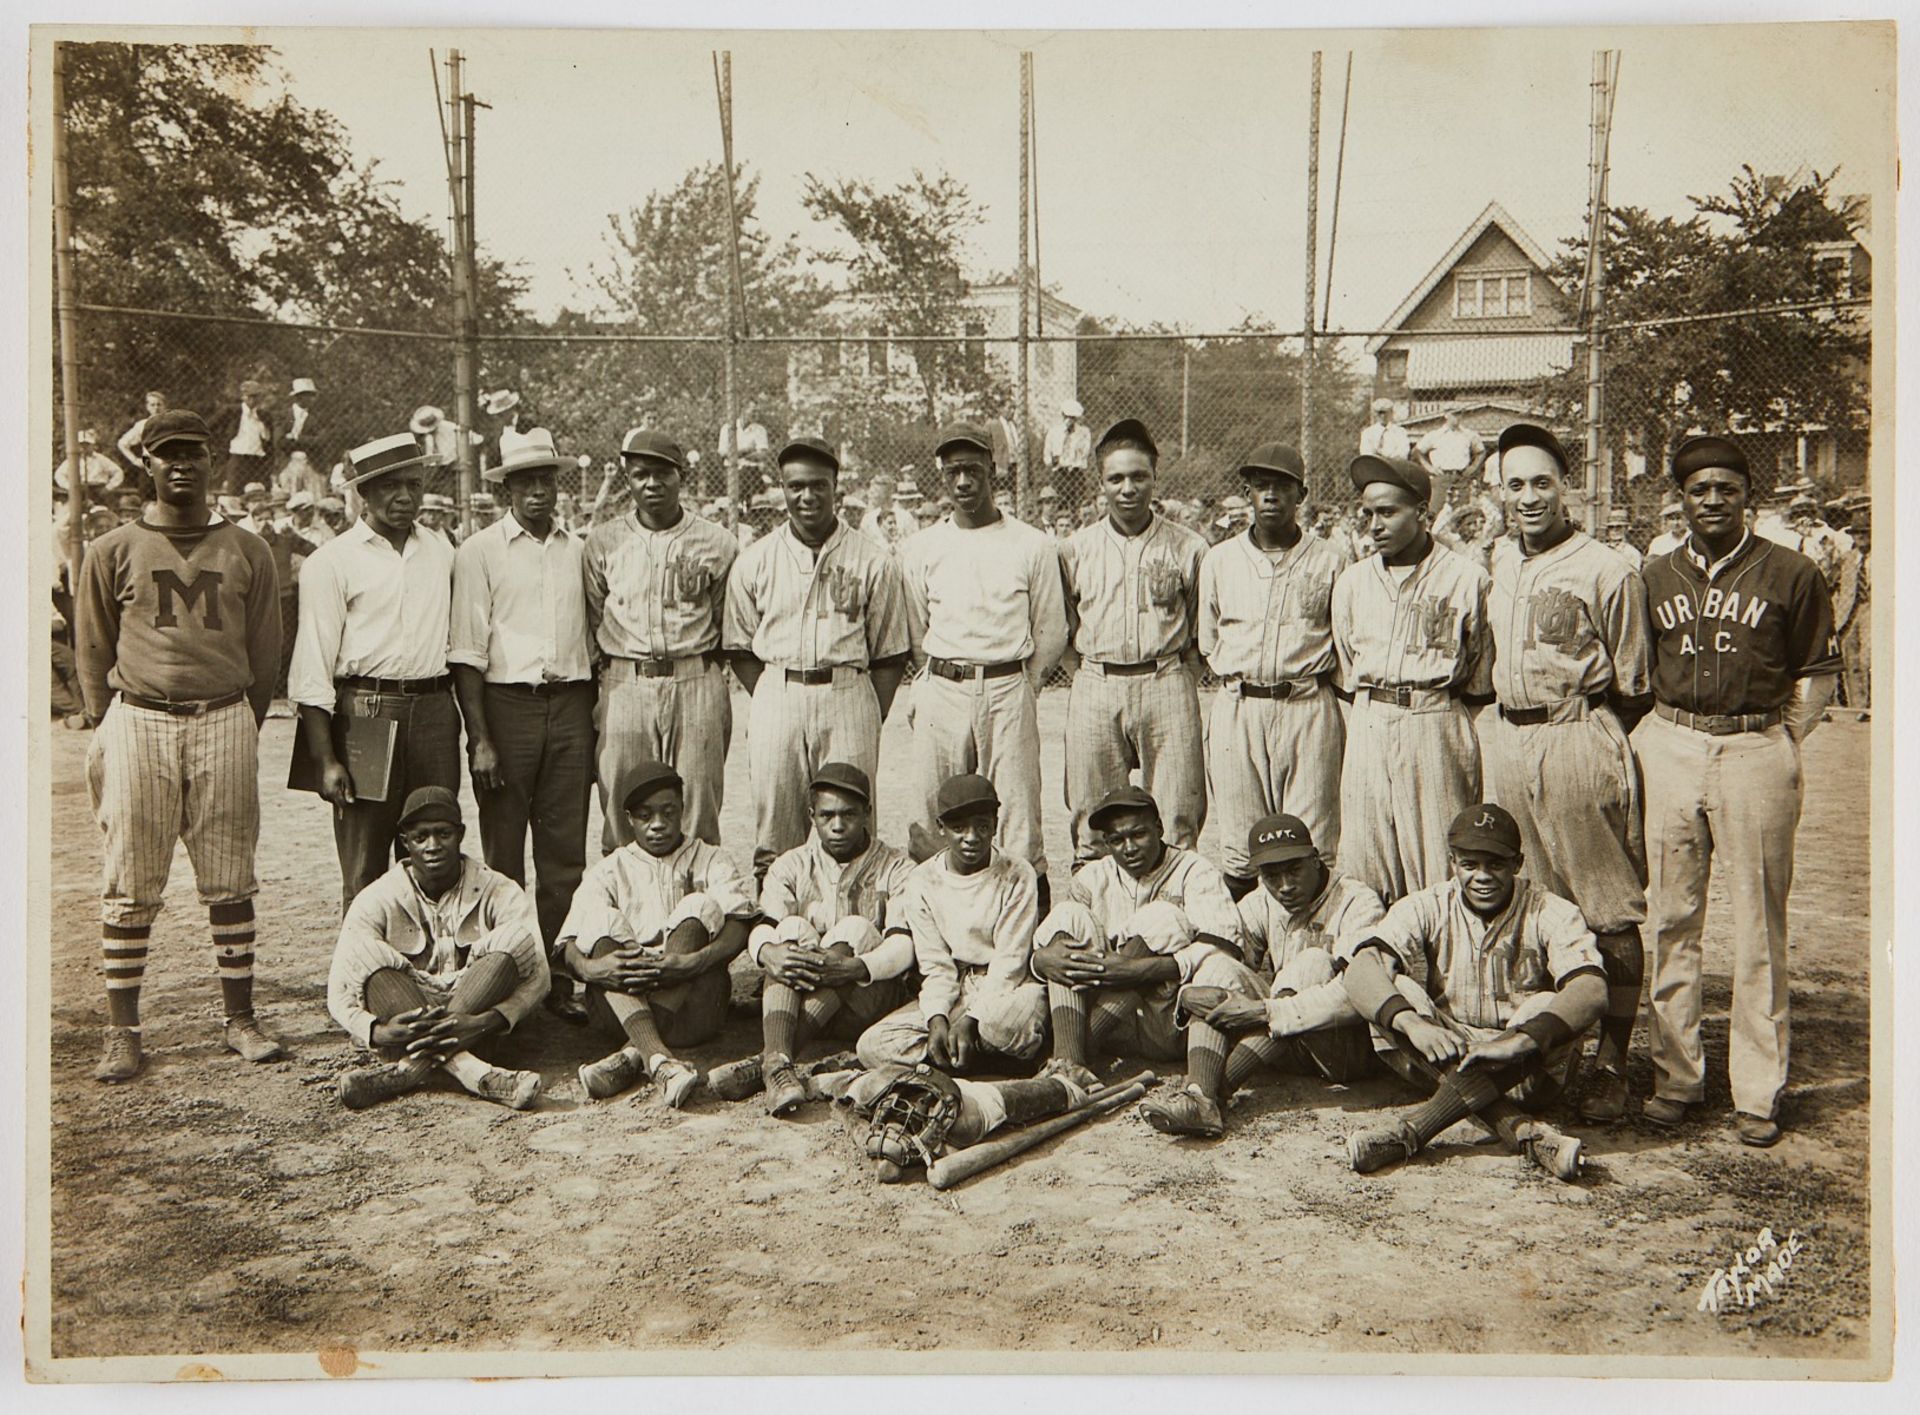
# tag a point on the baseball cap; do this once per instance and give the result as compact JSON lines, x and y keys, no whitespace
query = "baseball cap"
{"x":430,"y":803}
{"x":1394,"y":471}
{"x":174,"y":425}
{"x":1277,"y":838}
{"x":844,"y":777}
{"x":802,"y":447}
{"x":1132,"y":429}
{"x":962,"y":435}
{"x":963,"y":793}
{"x":1276,"y":457}
{"x":1121,"y":798}
{"x":1532,"y":435}
{"x":1487,"y":828}
{"x":646,"y":777}
{"x":645,"y":442}
{"x":1696,"y":454}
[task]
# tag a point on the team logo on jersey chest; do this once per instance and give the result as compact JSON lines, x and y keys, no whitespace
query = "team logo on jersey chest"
{"x":846,"y":591}
{"x":1435,"y":622}
{"x":203,"y":589}
{"x":691,"y":579}
{"x":1161,"y":584}
{"x":1554,"y":617}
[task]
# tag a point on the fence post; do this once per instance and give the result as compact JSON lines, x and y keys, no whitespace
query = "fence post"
{"x":64,"y":302}
{"x":1186,"y":393}
{"x":1021,"y":497}
{"x":464,"y":323}
{"x":1312,"y":262}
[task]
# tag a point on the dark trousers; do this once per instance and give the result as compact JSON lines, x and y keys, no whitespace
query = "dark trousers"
{"x":426,"y":752}
{"x":546,"y":746}
{"x":238,"y":470}
{"x":289,"y":626}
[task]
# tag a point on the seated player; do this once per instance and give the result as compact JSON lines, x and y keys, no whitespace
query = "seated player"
{"x":1287,"y":1007}
{"x":1134,"y":924}
{"x":1478,"y":988}
{"x":829,"y":969}
{"x":435,"y":957}
{"x":650,"y":933}
{"x":970,"y":911}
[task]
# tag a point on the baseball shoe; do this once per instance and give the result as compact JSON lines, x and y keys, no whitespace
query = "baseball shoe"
{"x":1558,"y":1154}
{"x":677,"y":1082}
{"x":516,"y":1090}
{"x":120,"y":1058}
{"x":1188,"y":1111}
{"x":785,"y":1090}
{"x":736,"y":1080}
{"x":1071,"y":1072}
{"x":244,"y":1036}
{"x":1606,"y":1097}
{"x":1368,"y":1150}
{"x":1756,"y":1130}
{"x":372,"y":1084}
{"x":612,"y":1074}
{"x":1664,"y":1113}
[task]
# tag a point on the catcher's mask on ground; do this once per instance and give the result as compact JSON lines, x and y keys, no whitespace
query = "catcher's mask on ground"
{"x":912,"y":1117}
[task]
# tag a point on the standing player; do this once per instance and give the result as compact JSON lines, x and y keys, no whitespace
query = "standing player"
{"x":1131,"y":583}
{"x":1275,"y":732}
{"x":1743,"y":665}
{"x":375,"y":602}
{"x":179,"y":616}
{"x":1571,"y":670}
{"x":1410,"y":626}
{"x":816,"y":627}
{"x":656,"y":596}
{"x":986,"y":618}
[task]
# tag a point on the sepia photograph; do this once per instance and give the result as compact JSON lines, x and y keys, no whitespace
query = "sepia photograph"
{"x":841,"y":700}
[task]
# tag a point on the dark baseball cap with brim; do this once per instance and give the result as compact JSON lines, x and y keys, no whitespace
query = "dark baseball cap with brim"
{"x":1129,"y":430}
{"x":808,"y":448}
{"x":1278,"y":838}
{"x":960,"y":795}
{"x":1118,"y":800}
{"x":1697,"y":454}
{"x":646,"y":778}
{"x":1276,"y":457}
{"x":1368,"y":468}
{"x":383,"y":455}
{"x":174,"y":425}
{"x":1533,"y":435}
{"x":843,"y":777}
{"x":962,"y":435}
{"x":1485,"y":829}
{"x":645,"y":442}
{"x":430,"y":803}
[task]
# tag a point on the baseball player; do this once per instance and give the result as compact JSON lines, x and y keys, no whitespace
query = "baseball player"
{"x":1478,"y":988}
{"x":1572,"y":672}
{"x":831,"y":967}
{"x":1286,"y":1007}
{"x":1132,"y":927}
{"x":1410,"y":628}
{"x":816,"y":626}
{"x":656,"y":598}
{"x":652,"y":929}
{"x":1744,"y":663}
{"x":1275,"y":732}
{"x":970,"y":911}
{"x":1130,"y":582}
{"x":375,"y":602}
{"x":987,"y":620}
{"x":179,"y":642}
{"x":439,"y":955}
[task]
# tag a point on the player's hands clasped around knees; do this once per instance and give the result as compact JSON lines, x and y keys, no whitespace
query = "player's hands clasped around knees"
{"x":797,"y":966}
{"x":1237,"y":1014}
{"x":1078,"y":968}
{"x":1502,"y":1050}
{"x":1430,"y":1039}
{"x":404,"y":1030}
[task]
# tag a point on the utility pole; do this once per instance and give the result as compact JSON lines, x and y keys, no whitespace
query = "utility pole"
{"x":460,"y":178}
{"x":1026,"y":347}
{"x":723,"y":86}
{"x":64,"y":305}
{"x":1312,"y":263}
{"x":1598,"y":469}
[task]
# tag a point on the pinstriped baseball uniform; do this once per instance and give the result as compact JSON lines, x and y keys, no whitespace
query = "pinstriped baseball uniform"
{"x":1266,"y":618}
{"x":1409,"y":769}
{"x":177,"y":616}
{"x":631,"y":896}
{"x":1131,"y":601}
{"x":391,"y":924}
{"x":811,"y":898}
{"x":794,"y":608}
{"x":653,"y":596}
{"x":1568,"y":624}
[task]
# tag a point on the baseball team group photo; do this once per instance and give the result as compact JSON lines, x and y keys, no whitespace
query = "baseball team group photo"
{"x":852,"y":756}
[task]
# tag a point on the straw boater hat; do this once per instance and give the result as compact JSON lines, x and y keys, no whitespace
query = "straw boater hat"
{"x":426,"y":418}
{"x":383,"y":455}
{"x":534,"y":452}
{"x":504,"y":400}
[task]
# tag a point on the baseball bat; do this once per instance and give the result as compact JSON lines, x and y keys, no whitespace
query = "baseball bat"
{"x":964,"y":1164}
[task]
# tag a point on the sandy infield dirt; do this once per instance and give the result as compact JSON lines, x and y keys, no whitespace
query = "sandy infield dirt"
{"x":215,"y":1206}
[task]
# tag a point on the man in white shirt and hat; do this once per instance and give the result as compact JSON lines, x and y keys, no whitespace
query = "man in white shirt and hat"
{"x":247,"y":438}
{"x":1070,"y":443}
{"x":1383,"y":437}
{"x":99,"y":472}
{"x":302,"y":431}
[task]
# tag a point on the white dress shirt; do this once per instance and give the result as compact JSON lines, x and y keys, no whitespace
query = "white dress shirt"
{"x":369,"y":611}
{"x":520,"y":605}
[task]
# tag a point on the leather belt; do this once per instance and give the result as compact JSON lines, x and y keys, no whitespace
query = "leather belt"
{"x":815,"y":677}
{"x":663,"y":667}
{"x":1404,"y":696}
{"x":967,"y":672}
{"x":1719,"y":726}
{"x":1286,"y":688}
{"x":545,"y":689}
{"x":1532,"y":716}
{"x":397,"y":687}
{"x":174,"y":708}
{"x":1131,"y":670}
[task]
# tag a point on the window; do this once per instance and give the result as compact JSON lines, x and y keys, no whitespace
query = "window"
{"x":1835,"y":267}
{"x":1393,"y":365}
{"x":1492,"y":295}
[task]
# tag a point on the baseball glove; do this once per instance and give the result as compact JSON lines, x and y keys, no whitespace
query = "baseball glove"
{"x":912,"y":1116}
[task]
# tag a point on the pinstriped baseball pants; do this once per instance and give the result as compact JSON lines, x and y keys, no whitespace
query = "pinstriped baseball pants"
{"x":1408,"y":773}
{"x":1146,"y":720}
{"x":989,"y":726}
{"x":685,"y":721}
{"x":1266,"y":755}
{"x":155,"y":779}
{"x":793,"y":729}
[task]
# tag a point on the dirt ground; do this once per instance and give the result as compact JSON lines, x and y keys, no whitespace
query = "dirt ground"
{"x":214,"y":1206}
